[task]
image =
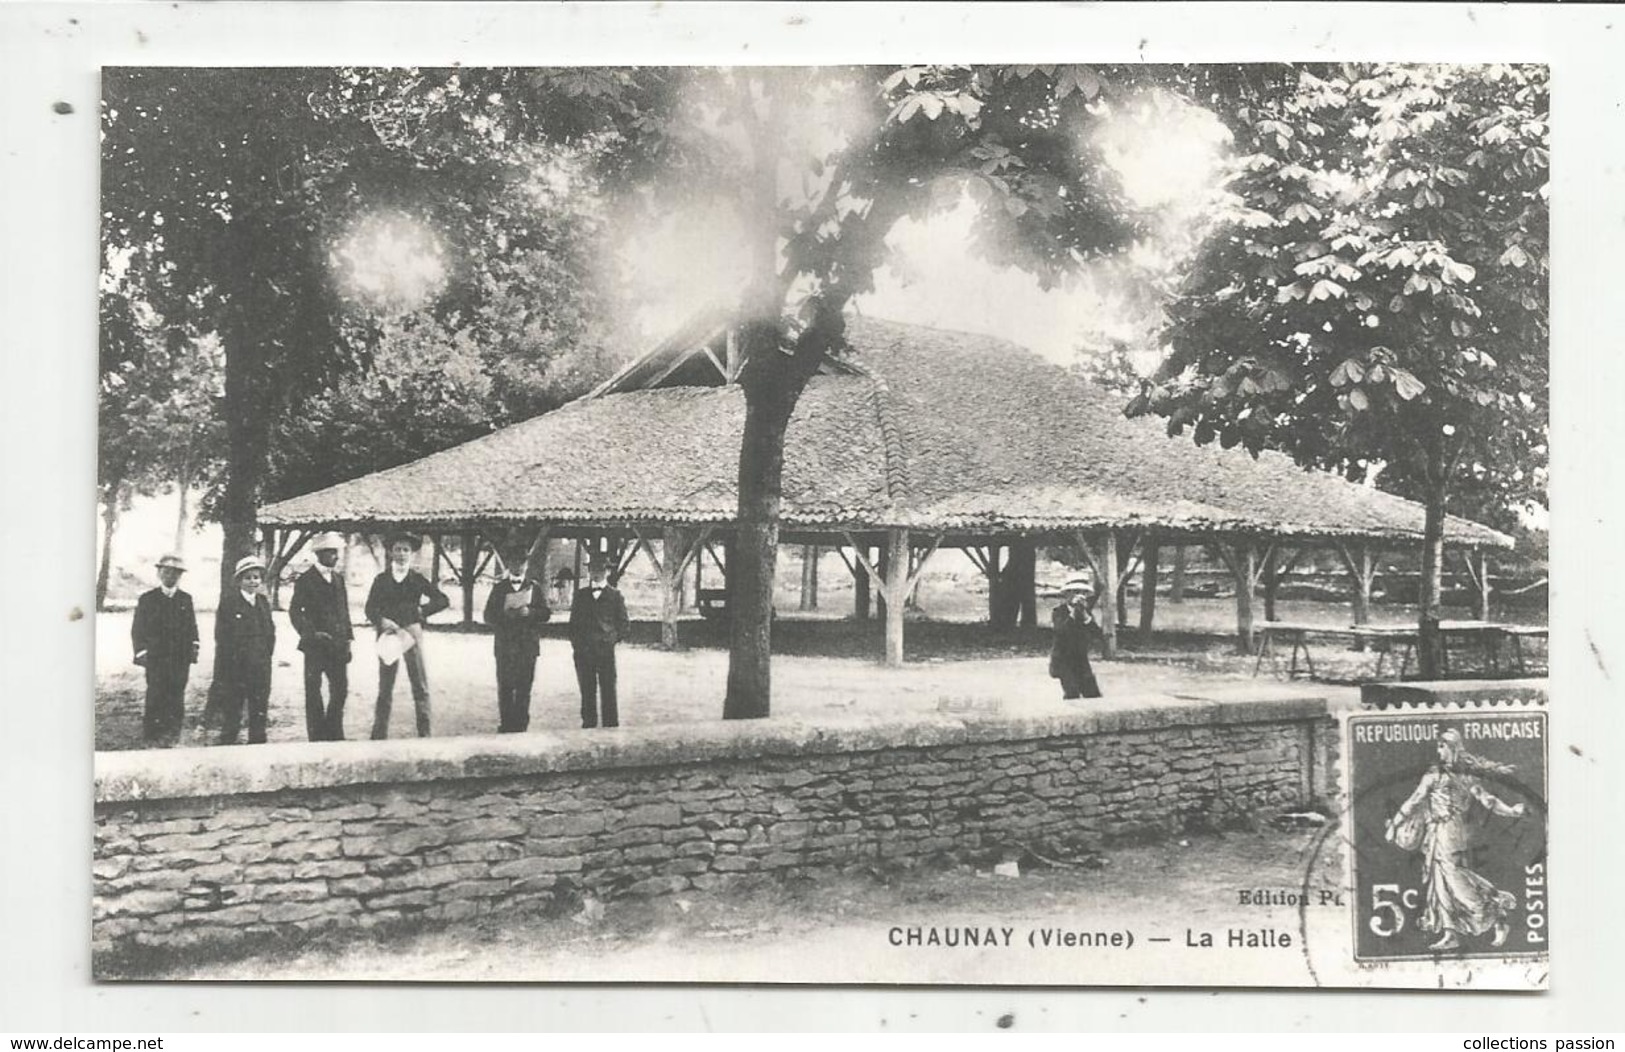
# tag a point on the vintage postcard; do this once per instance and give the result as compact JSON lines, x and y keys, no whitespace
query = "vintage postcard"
{"x":1075,"y":524}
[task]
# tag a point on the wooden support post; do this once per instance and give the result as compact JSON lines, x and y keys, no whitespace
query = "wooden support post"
{"x":470,"y":570}
{"x":268,"y":539}
{"x":1478,"y":572}
{"x":1125,"y":571}
{"x":883,"y":564}
{"x":1176,"y":590}
{"x":896,"y":586}
{"x":699,"y":575}
{"x":536,"y":556}
{"x":809,"y":577}
{"x":997,"y":608}
{"x":1245,"y":571}
{"x":674,"y":551}
{"x":1021,"y":584}
{"x":1359,"y":561}
{"x":861,"y":604}
{"x":1272,"y":581}
{"x":1108,"y":584}
{"x":1148,"y":587}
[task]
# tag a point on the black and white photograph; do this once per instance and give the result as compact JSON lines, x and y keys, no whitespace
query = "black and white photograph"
{"x":610,"y":500}
{"x":885,"y":523}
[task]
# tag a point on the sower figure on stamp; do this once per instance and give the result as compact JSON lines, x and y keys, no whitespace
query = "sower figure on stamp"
{"x":244,"y":640}
{"x":1074,"y":623}
{"x":320,"y":612}
{"x":598,"y":621}
{"x":164,"y":635}
{"x":516,"y":610}
{"x":400,"y":601}
{"x":1434,"y":820}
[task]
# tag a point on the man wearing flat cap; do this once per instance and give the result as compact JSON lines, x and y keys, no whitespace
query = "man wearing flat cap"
{"x":400,"y":601}
{"x":598,"y":622}
{"x":320,"y":612}
{"x":164,"y":635}
{"x":1074,"y":625}
{"x":244,"y":639}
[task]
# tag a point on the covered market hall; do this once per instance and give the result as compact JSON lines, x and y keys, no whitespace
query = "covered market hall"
{"x":915,"y":441}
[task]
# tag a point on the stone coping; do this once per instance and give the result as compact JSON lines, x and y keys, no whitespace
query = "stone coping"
{"x":186,"y":773}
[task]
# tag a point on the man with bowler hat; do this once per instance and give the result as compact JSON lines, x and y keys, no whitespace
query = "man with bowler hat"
{"x":598,"y":621}
{"x":320,"y":612}
{"x":516,"y":610}
{"x":164,"y":635}
{"x":244,"y":639}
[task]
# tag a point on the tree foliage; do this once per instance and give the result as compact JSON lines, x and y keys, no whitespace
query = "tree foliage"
{"x":1377,"y":298}
{"x":238,"y":186}
{"x":156,"y":422}
{"x":1376,"y":301}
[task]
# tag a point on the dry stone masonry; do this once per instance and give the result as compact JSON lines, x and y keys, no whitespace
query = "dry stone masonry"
{"x":234,"y":844}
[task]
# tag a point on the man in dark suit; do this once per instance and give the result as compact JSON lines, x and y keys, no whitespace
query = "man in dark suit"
{"x":244,"y":639}
{"x":320,"y":612}
{"x":598,"y":621}
{"x":516,"y":610}
{"x":400,"y":601}
{"x":164,"y":635}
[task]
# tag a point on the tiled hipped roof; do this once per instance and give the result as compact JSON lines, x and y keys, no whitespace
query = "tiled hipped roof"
{"x":931,"y":429}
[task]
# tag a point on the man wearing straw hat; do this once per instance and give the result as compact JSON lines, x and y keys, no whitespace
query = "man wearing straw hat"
{"x":164,"y":635}
{"x":1074,"y":623}
{"x":244,"y":639}
{"x":320,"y":612}
{"x":399,"y":602}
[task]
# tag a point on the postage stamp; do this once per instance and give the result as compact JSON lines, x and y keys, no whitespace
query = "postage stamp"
{"x":1447,"y":835}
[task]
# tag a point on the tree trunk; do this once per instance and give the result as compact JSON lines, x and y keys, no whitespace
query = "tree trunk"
{"x":246,"y":441}
{"x":183,"y":514}
{"x":105,"y":572}
{"x":1148,"y":587}
{"x":752,"y":561}
{"x":1430,"y":647}
{"x":1176,"y":590}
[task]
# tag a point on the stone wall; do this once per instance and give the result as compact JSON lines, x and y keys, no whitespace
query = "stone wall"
{"x":215,"y":845}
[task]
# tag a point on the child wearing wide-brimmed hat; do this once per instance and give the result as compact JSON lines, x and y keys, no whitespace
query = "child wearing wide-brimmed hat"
{"x":244,"y":640}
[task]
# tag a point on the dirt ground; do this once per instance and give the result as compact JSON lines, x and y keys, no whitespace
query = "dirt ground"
{"x":825,"y":664}
{"x":832,"y":929}
{"x":823,"y":667}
